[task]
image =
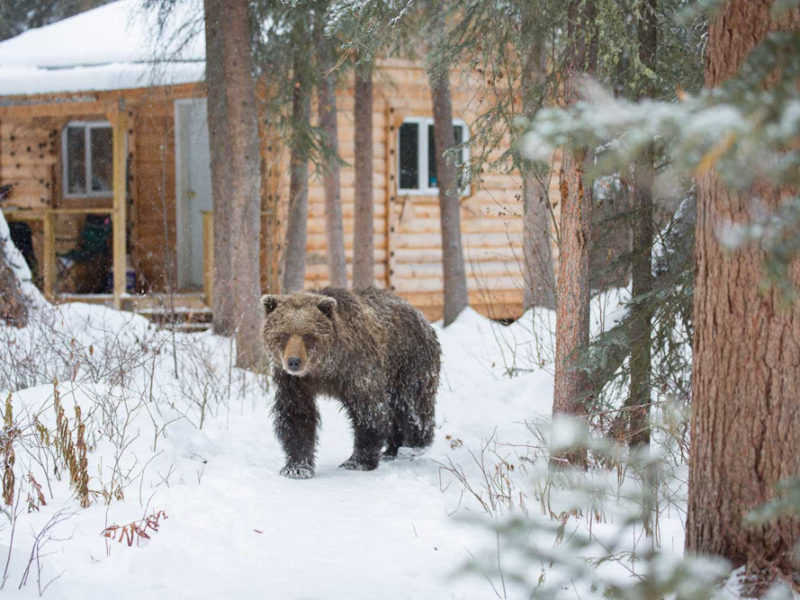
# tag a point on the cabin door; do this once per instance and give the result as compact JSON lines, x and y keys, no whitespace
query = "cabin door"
{"x":193,"y":188}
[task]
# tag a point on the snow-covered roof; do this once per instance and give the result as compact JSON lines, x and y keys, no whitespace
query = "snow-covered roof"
{"x":116,"y":46}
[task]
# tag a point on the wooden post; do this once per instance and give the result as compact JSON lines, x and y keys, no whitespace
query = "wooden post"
{"x":208,"y":256}
{"x":119,"y":124}
{"x":390,"y":133}
{"x":49,"y":252}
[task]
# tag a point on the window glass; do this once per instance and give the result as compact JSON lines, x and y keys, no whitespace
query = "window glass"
{"x":76,"y":160}
{"x":431,"y":159}
{"x":409,"y":156}
{"x":101,"y":153}
{"x":418,"y":156}
{"x":458,"y":134}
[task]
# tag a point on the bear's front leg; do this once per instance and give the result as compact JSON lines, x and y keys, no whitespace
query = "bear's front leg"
{"x":370,"y":426}
{"x":296,"y":419}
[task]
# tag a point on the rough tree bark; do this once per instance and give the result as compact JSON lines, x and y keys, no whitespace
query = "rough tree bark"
{"x":326,"y":109}
{"x":572,"y":386}
{"x":642,"y":269}
{"x":364,"y":234}
{"x":243,"y":162}
{"x":220,"y":169}
{"x":745,"y":378}
{"x":456,"y":297}
{"x":538,"y":276}
{"x":294,"y":266}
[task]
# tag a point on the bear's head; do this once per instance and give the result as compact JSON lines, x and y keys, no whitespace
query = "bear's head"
{"x":298,"y":330}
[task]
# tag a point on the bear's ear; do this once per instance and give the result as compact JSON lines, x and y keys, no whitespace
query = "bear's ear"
{"x":327,"y":305}
{"x":270,"y":302}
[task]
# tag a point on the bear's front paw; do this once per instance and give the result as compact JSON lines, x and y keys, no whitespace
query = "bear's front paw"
{"x":297,"y":472}
{"x":353,"y":464}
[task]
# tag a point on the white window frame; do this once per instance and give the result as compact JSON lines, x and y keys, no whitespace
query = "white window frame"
{"x":422,"y":156}
{"x":87,"y":128}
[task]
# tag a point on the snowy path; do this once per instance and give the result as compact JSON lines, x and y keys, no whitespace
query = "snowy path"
{"x":244,"y":531}
{"x":236,"y":529}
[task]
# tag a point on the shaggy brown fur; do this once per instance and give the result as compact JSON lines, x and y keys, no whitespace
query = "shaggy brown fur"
{"x":370,"y":350}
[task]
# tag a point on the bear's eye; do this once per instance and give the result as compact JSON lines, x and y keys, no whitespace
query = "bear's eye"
{"x":308,"y":339}
{"x":283,"y":338}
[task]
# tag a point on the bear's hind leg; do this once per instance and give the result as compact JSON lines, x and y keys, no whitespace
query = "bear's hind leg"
{"x":296,"y":419}
{"x":394,"y":441}
{"x":370,"y":428}
{"x":416,"y":417}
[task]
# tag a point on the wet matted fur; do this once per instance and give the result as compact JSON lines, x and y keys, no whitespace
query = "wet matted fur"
{"x":370,"y":350}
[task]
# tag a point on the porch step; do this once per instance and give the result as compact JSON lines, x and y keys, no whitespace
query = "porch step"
{"x":184,"y":311}
{"x":182,"y":318}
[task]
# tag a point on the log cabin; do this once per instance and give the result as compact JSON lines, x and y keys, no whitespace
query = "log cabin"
{"x":103,"y":129}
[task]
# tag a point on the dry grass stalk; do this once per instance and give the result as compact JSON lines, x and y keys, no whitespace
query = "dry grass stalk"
{"x":72,"y":454}
{"x":7,"y":452}
{"x":135,"y":530}
{"x":35,"y":503}
{"x":82,"y":475}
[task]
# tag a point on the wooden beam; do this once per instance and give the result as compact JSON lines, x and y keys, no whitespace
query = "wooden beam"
{"x":54,"y":109}
{"x":388,"y":197}
{"x":25,"y":215}
{"x":83,"y":211}
{"x":49,"y":254}
{"x":118,"y":117}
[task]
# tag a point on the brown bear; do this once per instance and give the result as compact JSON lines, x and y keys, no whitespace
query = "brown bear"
{"x":370,"y":350}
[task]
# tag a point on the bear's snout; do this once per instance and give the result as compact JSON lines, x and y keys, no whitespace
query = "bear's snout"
{"x":295,"y":357}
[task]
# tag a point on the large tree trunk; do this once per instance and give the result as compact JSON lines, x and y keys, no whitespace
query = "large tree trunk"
{"x":538,"y":277}
{"x":334,"y":229}
{"x":220,"y":169}
{"x":572,"y":386}
{"x":745,"y":378}
{"x":364,"y":235}
{"x":244,"y":166}
{"x":294,"y":266}
{"x":642,"y":269}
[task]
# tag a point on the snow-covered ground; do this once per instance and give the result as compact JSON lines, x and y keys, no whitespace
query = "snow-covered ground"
{"x":235,"y":528}
{"x":196,"y":454}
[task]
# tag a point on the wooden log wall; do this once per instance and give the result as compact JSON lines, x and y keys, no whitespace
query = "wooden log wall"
{"x":491,"y":222}
{"x":29,"y":160}
{"x":407,"y":230}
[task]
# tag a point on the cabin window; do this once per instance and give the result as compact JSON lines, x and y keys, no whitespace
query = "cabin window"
{"x":416,"y":156}
{"x":87,"y":153}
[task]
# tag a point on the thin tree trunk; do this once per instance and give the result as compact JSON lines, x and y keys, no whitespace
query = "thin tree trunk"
{"x":294,"y":268}
{"x":572,"y":387}
{"x":538,"y":277}
{"x":364,"y":235}
{"x":745,"y":377}
{"x":223,"y":323}
{"x":642,"y":269}
{"x":456,"y":297}
{"x":334,"y":229}
{"x":245,"y":180}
